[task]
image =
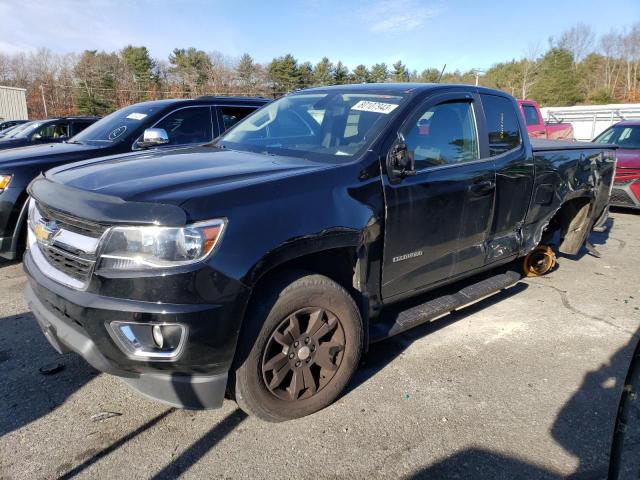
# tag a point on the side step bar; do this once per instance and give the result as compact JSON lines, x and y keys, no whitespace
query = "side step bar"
{"x":394,"y":322}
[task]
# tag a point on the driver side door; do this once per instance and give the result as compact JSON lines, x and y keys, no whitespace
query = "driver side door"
{"x":439,"y":214}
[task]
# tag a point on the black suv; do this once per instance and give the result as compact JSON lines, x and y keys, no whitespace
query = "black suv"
{"x":52,"y":130}
{"x":167,"y":123}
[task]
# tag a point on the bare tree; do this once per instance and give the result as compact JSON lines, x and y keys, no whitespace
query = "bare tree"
{"x":578,"y":40}
{"x":530,"y":67}
{"x":630,"y":55}
{"x":611,"y":47}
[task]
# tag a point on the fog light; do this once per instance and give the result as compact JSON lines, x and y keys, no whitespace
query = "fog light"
{"x":157,"y":336}
{"x":149,"y":341}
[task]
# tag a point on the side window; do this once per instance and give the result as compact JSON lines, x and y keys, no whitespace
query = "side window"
{"x":530,"y":114}
{"x":77,"y":127}
{"x":188,"y":125}
{"x":232,"y":115}
{"x":502,"y":124}
{"x":53,"y":131}
{"x":444,"y":134}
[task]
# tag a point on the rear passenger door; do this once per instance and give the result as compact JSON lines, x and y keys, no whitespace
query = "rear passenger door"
{"x":439,"y":218}
{"x":514,"y":174}
{"x":229,"y":115}
{"x":77,"y":126}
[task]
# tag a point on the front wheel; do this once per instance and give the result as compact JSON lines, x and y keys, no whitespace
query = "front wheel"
{"x":307,"y":347}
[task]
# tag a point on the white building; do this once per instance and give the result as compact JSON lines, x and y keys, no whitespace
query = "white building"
{"x":13,"y":103}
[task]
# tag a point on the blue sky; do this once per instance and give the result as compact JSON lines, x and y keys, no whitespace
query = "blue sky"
{"x":463,"y":34}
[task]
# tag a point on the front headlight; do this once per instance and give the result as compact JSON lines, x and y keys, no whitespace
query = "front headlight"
{"x":142,"y":248}
{"x":5,"y":180}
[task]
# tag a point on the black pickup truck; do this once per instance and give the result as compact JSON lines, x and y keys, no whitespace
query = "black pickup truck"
{"x":265,"y":263}
{"x":169,"y":123}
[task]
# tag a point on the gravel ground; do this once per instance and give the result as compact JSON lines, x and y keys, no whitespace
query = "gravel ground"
{"x":522,"y":385}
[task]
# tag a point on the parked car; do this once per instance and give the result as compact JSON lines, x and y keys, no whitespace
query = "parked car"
{"x":46,"y":131}
{"x":14,"y":130}
{"x":538,"y":128}
{"x":626,"y":187}
{"x":159,"y":124}
{"x":264,"y":263}
{"x":10,"y":123}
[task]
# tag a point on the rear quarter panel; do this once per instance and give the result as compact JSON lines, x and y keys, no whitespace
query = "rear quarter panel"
{"x":563,"y":174}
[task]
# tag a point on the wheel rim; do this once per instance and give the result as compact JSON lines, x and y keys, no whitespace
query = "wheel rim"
{"x":303,"y":354}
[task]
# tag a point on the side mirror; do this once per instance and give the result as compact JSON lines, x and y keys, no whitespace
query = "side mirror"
{"x":153,"y":137}
{"x":401,"y":161}
{"x":36,"y":136}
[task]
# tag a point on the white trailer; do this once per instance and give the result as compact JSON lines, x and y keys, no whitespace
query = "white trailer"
{"x":590,"y":120}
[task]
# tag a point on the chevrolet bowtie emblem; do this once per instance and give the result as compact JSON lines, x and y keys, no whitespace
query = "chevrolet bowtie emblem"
{"x":46,"y":231}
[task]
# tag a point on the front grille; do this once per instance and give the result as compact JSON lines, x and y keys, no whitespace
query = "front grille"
{"x":73,"y":224}
{"x":72,"y":265}
{"x":620,"y":197}
{"x":67,"y":258}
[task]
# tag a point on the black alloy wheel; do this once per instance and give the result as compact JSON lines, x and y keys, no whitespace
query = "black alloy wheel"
{"x":303,"y":354}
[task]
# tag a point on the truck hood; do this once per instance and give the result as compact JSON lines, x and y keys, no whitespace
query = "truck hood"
{"x":37,"y":153}
{"x":176,"y":175}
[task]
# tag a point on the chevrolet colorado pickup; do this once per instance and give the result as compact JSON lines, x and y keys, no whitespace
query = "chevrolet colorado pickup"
{"x":158,"y":124}
{"x":263,"y":264}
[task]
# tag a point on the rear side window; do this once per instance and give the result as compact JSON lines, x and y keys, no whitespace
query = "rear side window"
{"x":232,"y":115}
{"x":77,"y":127}
{"x":530,"y":114}
{"x":502,"y":124}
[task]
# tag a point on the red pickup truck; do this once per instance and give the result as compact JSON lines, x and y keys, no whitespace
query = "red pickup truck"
{"x":538,"y":128}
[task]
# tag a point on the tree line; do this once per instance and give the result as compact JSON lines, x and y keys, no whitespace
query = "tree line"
{"x":575,"y":67}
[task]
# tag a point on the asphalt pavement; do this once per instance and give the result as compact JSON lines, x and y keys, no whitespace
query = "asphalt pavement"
{"x":525,"y":384}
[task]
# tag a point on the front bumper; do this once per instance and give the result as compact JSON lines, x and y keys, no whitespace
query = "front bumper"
{"x":78,"y":321}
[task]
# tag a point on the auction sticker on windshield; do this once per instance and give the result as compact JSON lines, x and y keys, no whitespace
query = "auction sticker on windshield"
{"x":375,"y":107}
{"x":136,"y":116}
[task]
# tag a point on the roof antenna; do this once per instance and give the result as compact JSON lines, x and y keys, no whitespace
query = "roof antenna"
{"x":441,"y":73}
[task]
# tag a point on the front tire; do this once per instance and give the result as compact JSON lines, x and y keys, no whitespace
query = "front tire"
{"x":300,"y":349}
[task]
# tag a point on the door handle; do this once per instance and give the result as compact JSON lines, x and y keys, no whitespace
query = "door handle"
{"x":482,"y":187}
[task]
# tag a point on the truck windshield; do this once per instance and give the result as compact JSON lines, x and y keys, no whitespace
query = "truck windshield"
{"x":319,"y":125}
{"x":625,"y":136}
{"x":115,"y":127}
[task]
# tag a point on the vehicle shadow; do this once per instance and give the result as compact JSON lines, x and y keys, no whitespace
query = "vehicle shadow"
{"x":182,"y":462}
{"x":26,"y":394}
{"x":584,"y":427}
{"x":479,"y":463}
